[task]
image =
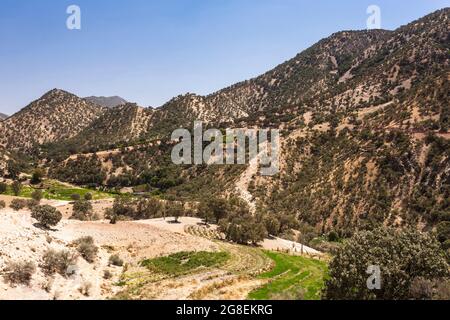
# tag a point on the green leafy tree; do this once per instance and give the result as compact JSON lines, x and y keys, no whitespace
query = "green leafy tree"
{"x":37,"y":176}
{"x":82,"y":210}
{"x":272,"y":225}
{"x":13,"y":169}
{"x":205,"y":212}
{"x":3,"y":187}
{"x":16,"y":188}
{"x":402,"y":256}
{"x":88,"y":196}
{"x":46,"y":215}
{"x":219,"y":208}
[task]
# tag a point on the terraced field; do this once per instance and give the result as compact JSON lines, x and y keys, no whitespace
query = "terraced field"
{"x":293,"y":277}
{"x":232,"y":277}
{"x":203,"y":231}
{"x":54,"y":190}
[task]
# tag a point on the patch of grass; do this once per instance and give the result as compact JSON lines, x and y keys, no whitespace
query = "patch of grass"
{"x":292,"y":274}
{"x":184,"y":262}
{"x":54,"y":190}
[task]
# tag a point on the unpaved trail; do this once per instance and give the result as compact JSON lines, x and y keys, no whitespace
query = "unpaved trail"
{"x":295,"y":248}
{"x":244,"y":181}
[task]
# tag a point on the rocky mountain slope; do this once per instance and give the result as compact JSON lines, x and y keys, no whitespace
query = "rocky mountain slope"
{"x":3,"y":116}
{"x":56,"y":116}
{"x":364,"y":117}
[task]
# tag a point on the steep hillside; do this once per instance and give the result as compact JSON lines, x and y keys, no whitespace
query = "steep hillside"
{"x":364,"y":117}
{"x":3,"y":116}
{"x":55,"y":116}
{"x":126,"y":122}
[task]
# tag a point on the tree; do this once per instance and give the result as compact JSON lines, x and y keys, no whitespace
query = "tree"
{"x":148,"y":208}
{"x":175,"y":210}
{"x":333,"y":236}
{"x":82,"y":210}
{"x":13,"y":169}
{"x":306,"y":233}
{"x":272,"y":225}
{"x":16,"y":188}
{"x":205,"y":212}
{"x":37,"y":195}
{"x":18,"y":204}
{"x":401,"y":256}
{"x":219,"y":208}
{"x":443,"y":231}
{"x":88,"y":196}
{"x":3,"y":187}
{"x":37,"y":176}
{"x":242,"y":227}
{"x":46,"y":215}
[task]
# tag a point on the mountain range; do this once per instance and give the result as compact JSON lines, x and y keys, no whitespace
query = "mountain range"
{"x":364,"y":117}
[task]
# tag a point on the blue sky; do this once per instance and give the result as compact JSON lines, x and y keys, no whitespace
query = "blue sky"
{"x":149,"y":51}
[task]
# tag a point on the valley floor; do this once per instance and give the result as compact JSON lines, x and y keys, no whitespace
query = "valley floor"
{"x":245,"y":270}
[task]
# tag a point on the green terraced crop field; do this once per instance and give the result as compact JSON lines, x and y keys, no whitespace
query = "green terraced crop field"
{"x":293,"y":277}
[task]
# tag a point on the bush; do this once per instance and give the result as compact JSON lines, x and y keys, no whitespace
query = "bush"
{"x":2,"y":204}
{"x":37,"y":195}
{"x":3,"y":187}
{"x":19,"y":272}
{"x":107,"y":275}
{"x":82,"y":210}
{"x":421,"y":289}
{"x":85,"y":288}
{"x":46,"y":215}
{"x":402,"y":256}
{"x":37,"y":176}
{"x":243,"y":229}
{"x":272,"y":225}
{"x":115,"y":260}
{"x":109,"y":214}
{"x":88,"y":196}
{"x":16,"y":188}
{"x":333,"y":236}
{"x":58,"y":262}
{"x":18,"y":204}
{"x":87,"y":249}
{"x":31,"y":204}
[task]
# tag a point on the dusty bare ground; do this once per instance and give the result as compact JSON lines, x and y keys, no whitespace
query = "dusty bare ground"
{"x":22,"y":240}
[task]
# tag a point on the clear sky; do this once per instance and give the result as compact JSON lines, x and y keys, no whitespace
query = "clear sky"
{"x":149,"y":51}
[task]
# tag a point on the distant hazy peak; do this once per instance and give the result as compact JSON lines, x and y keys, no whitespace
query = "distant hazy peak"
{"x":109,"y":102}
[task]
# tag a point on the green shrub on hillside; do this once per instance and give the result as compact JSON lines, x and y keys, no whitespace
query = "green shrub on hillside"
{"x":402,"y":256}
